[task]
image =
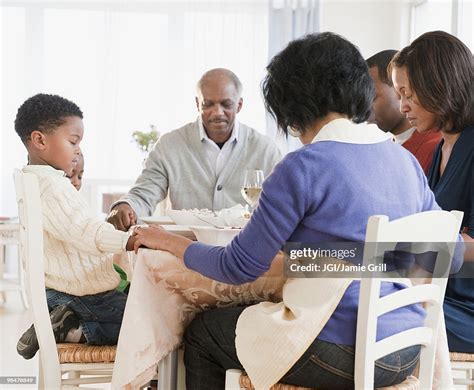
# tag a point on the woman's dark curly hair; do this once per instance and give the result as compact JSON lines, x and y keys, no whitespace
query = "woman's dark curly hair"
{"x":316,"y":75}
{"x":44,"y":113}
{"x":440,"y":71}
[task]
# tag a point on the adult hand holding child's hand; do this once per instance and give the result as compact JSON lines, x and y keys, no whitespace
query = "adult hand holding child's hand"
{"x":134,"y":237}
{"x":122,"y":216}
{"x":151,"y":237}
{"x":155,"y":237}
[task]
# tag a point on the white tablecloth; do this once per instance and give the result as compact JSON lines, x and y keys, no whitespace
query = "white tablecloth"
{"x":164,"y":297}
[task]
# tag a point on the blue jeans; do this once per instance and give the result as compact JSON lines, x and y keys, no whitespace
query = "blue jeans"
{"x":210,"y":351}
{"x":100,"y":314}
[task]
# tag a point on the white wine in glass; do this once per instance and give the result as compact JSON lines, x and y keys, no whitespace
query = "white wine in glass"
{"x":252,"y":186}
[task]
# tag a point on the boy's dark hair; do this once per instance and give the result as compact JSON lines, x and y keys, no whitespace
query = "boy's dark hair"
{"x":440,"y":71}
{"x":381,"y":61}
{"x":315,"y":75}
{"x":43,"y":112}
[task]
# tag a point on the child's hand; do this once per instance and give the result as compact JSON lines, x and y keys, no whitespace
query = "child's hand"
{"x":131,"y":243}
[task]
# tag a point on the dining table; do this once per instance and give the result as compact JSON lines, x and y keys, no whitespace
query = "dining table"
{"x":165,"y":296}
{"x":163,"y":299}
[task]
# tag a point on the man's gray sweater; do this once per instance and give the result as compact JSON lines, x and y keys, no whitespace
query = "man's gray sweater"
{"x":178,"y":165}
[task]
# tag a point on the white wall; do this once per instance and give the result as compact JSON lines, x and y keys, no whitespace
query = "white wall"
{"x":371,"y":25}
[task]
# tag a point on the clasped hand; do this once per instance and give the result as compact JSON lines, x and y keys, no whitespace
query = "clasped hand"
{"x":153,"y":237}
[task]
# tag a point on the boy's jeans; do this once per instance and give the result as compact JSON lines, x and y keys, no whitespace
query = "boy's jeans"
{"x":100,"y":314}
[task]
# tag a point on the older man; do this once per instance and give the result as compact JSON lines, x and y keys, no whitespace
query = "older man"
{"x":203,"y":163}
{"x":387,"y":115}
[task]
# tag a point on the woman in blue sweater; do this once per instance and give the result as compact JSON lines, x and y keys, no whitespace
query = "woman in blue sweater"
{"x":434,"y":77}
{"x":319,"y":89}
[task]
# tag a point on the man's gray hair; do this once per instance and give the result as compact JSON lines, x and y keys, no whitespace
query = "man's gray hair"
{"x":220,"y":72}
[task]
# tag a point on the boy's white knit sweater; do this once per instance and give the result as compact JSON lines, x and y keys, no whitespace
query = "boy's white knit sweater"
{"x":78,"y":247}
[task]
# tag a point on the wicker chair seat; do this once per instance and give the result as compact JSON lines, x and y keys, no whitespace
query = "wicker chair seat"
{"x":411,"y":383}
{"x":461,"y":357}
{"x":81,"y":353}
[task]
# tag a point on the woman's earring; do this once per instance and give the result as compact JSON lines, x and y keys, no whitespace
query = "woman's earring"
{"x":294,"y":132}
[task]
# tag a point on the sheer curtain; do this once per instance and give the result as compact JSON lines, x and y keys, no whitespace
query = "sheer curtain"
{"x":127,"y":65}
{"x":289,"y":20}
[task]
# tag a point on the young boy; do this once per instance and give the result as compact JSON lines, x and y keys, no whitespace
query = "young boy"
{"x":76,"y":181}
{"x":81,"y":283}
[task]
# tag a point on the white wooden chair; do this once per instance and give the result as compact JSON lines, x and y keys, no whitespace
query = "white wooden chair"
{"x":427,"y":227}
{"x":56,"y":360}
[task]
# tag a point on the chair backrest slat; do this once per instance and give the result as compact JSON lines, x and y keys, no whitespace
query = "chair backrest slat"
{"x":423,"y":293}
{"x":31,"y":246}
{"x":416,"y":336}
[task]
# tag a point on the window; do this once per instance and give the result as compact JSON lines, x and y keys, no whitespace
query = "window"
{"x":453,"y":16}
{"x":127,"y":65}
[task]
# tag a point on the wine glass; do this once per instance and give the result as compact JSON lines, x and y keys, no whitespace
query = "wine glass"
{"x":252,"y":186}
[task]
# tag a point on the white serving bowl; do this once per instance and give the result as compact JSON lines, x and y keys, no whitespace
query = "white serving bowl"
{"x":214,"y":236}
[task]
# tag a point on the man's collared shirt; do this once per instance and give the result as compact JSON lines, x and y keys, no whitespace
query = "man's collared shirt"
{"x":403,"y":137}
{"x":215,"y":155}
